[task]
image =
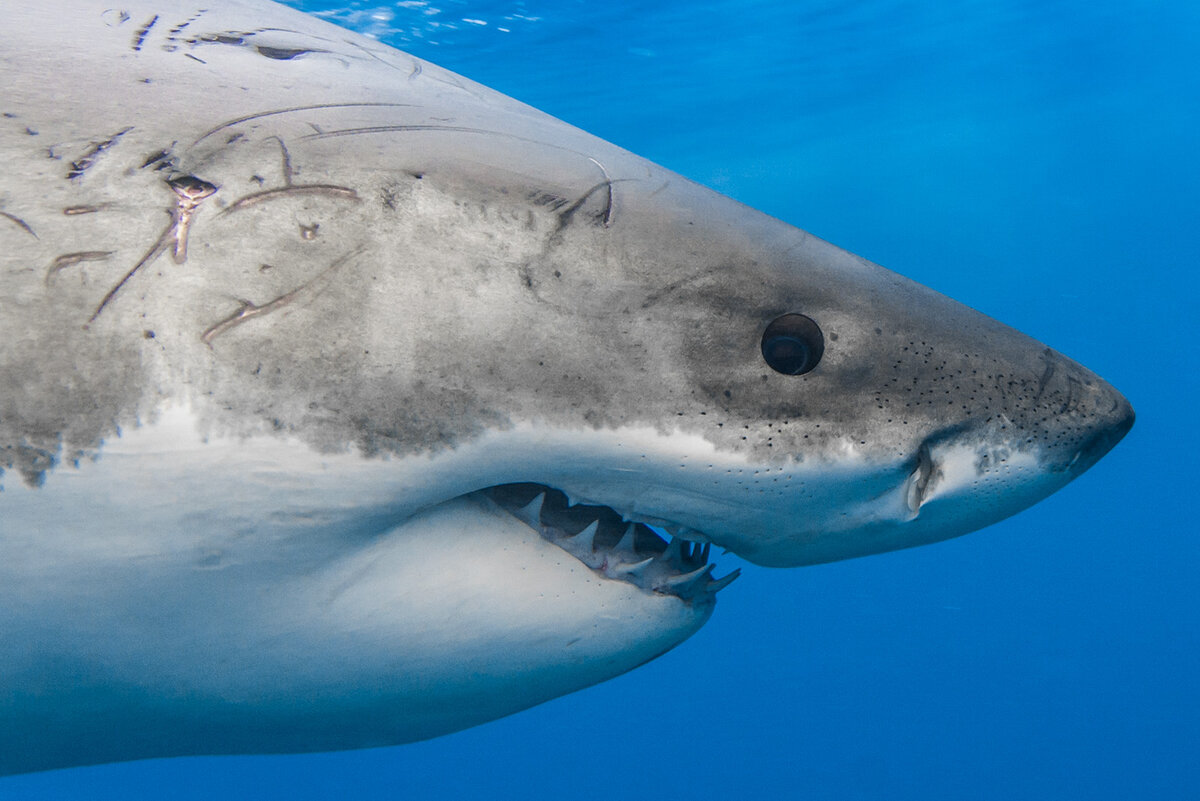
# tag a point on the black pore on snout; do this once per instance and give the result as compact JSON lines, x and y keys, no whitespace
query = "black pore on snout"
{"x":793,"y":344}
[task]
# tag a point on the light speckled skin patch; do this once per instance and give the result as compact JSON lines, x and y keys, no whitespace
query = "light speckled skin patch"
{"x":306,"y":245}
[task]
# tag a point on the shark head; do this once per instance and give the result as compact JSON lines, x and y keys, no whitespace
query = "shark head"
{"x":367,"y":404}
{"x":748,"y":385}
{"x":800,"y":405}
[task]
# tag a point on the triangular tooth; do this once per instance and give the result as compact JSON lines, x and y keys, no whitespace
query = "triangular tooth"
{"x":674,"y":552}
{"x":626,"y":542}
{"x":531,"y":512}
{"x":687,"y":580}
{"x":721,"y":583}
{"x":635,"y":569}
{"x":704,"y":551}
{"x":586,"y":539}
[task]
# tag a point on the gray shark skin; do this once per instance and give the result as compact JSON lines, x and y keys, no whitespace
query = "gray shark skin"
{"x":345,"y":402}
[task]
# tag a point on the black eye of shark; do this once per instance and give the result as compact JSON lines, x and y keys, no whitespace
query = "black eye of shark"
{"x":793,"y":344}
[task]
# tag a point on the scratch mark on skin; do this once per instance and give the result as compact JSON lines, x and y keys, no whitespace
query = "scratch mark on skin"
{"x":72,"y":211}
{"x":284,"y":53}
{"x":250,"y":310}
{"x":173,"y":34}
{"x":122,"y":17}
{"x":292,"y":110}
{"x":388,"y":64}
{"x":329,"y":190}
{"x":1047,"y":373}
{"x":195,"y":58}
{"x":191,"y":192}
{"x":566,"y":215}
{"x":687,"y":280}
{"x":71,"y":259}
{"x":408,"y":128}
{"x":142,"y":33}
{"x":242,"y":39}
{"x":608,"y":206}
{"x":19,"y":222}
{"x":159,"y":160}
{"x":88,"y":159}
{"x":156,"y":250}
{"x":287,"y":161}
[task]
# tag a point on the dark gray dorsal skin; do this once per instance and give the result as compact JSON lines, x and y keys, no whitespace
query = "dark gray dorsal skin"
{"x":300,"y":235}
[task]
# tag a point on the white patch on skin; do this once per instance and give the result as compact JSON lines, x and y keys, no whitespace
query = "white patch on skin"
{"x":254,"y":584}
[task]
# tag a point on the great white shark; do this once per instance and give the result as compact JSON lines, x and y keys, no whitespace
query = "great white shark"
{"x":345,"y":402}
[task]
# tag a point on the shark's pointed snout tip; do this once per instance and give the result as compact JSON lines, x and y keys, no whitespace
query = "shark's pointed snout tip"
{"x":1110,"y":429}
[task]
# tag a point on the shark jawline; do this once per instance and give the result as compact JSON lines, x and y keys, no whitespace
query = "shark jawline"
{"x":613,"y":546}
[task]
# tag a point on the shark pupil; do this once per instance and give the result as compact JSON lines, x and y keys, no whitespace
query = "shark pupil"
{"x":792,"y":344}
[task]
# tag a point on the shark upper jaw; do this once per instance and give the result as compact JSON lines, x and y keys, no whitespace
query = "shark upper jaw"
{"x":956,"y":480}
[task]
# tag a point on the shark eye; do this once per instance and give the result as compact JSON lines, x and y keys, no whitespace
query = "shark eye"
{"x":792,"y":344}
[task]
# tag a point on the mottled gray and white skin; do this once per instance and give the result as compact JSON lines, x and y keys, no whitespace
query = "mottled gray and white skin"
{"x":282,"y":308}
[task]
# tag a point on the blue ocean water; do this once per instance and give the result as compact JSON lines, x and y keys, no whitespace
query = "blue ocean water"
{"x":1036,"y":160}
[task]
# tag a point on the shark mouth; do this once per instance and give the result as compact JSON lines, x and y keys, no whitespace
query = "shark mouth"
{"x":612,"y":547}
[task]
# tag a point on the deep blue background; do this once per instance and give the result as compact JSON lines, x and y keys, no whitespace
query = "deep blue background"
{"x":1036,"y":160}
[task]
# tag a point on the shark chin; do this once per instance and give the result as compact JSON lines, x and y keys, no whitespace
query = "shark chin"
{"x":346,"y":402}
{"x":216,"y":632}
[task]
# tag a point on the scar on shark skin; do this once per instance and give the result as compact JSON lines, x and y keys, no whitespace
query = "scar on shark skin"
{"x":287,"y":161}
{"x":608,"y":206}
{"x":191,"y":192}
{"x":291,"y":188}
{"x":88,"y":159}
{"x":250,"y":310}
{"x":329,"y":190}
{"x":291,"y":110}
{"x":70,"y":259}
{"x":18,"y":221}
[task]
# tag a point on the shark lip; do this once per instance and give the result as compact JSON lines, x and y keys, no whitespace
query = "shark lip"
{"x":612,"y":547}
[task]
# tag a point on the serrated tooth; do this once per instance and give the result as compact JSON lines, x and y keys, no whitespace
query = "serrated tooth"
{"x":531,"y":513}
{"x":634,"y":569}
{"x":689,"y":581}
{"x":586,"y":539}
{"x":721,"y":583}
{"x":626,"y":542}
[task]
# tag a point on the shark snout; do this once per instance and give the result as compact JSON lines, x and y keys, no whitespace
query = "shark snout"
{"x":1077,"y":417}
{"x":1109,"y":428}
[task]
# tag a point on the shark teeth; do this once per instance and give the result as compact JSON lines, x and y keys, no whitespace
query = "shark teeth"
{"x":674,"y":552}
{"x":618,"y":547}
{"x":636,"y":569}
{"x":586,"y":539}
{"x":688,"y":582}
{"x":531,"y":513}
{"x":723,"y":582}
{"x":626,"y":542}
